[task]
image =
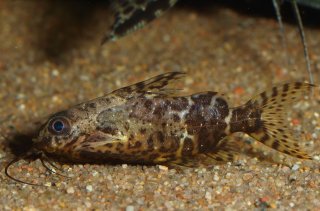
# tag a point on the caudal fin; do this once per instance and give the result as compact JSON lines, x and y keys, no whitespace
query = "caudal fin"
{"x":274,"y":131}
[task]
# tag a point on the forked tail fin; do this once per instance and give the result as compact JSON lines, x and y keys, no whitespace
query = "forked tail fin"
{"x":274,"y":131}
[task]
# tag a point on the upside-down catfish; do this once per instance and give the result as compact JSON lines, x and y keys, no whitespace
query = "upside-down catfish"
{"x":149,"y":123}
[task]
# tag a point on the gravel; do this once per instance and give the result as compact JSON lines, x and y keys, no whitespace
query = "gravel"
{"x":50,"y":59}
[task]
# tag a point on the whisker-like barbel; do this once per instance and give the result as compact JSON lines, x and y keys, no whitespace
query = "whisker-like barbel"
{"x":50,"y":170}
{"x":17,"y":159}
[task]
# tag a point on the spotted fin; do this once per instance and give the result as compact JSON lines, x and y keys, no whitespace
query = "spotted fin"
{"x":184,"y":162}
{"x":226,"y":151}
{"x":158,"y":85}
{"x":274,"y":131}
{"x":131,"y":15}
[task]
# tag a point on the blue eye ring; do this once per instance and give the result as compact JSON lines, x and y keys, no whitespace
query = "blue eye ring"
{"x":59,"y":126}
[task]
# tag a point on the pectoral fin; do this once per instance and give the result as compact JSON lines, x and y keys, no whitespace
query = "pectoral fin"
{"x":225,"y":152}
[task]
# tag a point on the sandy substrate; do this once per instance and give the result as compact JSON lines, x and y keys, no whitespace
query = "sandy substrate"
{"x":50,"y":59}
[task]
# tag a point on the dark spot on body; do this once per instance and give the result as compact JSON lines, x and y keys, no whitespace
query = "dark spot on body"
{"x":187,"y":147}
{"x":179,"y":104}
{"x":143,"y":130}
{"x":222,"y":106}
{"x":176,"y":118}
{"x":126,"y":126}
{"x":150,"y":142}
{"x":131,"y":137}
{"x":120,"y":145}
{"x":109,"y":145}
{"x":153,"y":156}
{"x":136,"y":144}
{"x":160,"y":137}
{"x":159,"y":112}
{"x":208,"y":139}
{"x":124,"y":91}
{"x":217,"y":158}
{"x":163,"y":124}
{"x":194,"y":119}
{"x":163,"y":149}
{"x":109,"y":130}
{"x":148,"y":104}
{"x":92,"y":105}
{"x":106,"y":100}
{"x":167,"y":103}
{"x":140,"y":85}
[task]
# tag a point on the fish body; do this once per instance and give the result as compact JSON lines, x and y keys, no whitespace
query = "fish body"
{"x":149,"y":123}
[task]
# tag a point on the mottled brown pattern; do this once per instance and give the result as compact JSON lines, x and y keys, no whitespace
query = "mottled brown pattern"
{"x":208,"y":139}
{"x":246,"y":119}
{"x":146,"y":123}
{"x":178,"y":104}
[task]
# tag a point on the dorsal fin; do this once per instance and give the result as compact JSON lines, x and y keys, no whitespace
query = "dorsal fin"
{"x":158,"y":85}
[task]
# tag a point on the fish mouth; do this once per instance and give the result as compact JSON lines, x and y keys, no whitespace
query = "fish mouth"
{"x":43,"y":144}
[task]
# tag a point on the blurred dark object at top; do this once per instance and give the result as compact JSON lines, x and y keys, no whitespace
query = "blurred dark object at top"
{"x":131,"y":15}
{"x":311,"y":3}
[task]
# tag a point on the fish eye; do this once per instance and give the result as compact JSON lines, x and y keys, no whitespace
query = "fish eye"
{"x":59,"y":126}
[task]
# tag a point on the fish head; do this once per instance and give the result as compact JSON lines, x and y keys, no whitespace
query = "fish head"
{"x":62,"y":131}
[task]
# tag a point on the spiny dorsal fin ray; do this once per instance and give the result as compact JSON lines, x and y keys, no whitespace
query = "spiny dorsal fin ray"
{"x":131,"y":15}
{"x":274,"y":131}
{"x":158,"y":85}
